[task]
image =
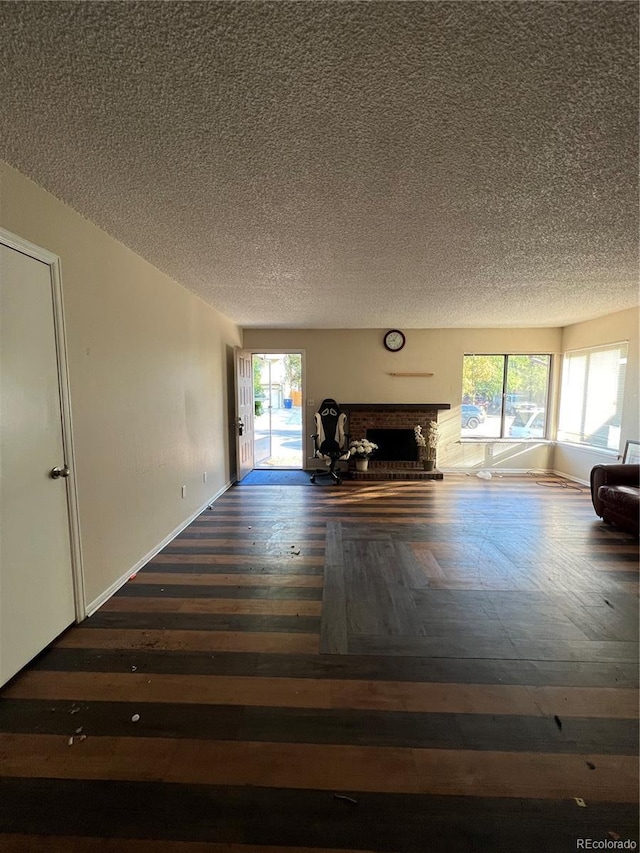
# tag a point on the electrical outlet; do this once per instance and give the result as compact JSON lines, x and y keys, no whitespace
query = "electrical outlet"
{"x":204,"y":476}
{"x":311,"y":402}
{"x":184,"y":491}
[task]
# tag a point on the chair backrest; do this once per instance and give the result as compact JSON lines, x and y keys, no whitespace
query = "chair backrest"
{"x":330,"y":427}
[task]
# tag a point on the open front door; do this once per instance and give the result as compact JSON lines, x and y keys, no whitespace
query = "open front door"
{"x":244,"y":412}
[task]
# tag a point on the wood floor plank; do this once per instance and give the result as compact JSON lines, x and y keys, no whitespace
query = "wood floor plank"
{"x":213,"y":622}
{"x":211,"y":641}
{"x":307,"y":818}
{"x":245,"y":592}
{"x":333,"y":625}
{"x":20,"y":843}
{"x":324,"y":767}
{"x":429,"y":697}
{"x":346,"y":727}
{"x":283,"y":569}
{"x":198,"y":579}
{"x":288,"y":558}
{"x":213,"y":605}
{"x":377,"y":668}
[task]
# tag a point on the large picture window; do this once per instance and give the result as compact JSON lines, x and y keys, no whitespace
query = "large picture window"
{"x":591,"y":396}
{"x":505,"y":396}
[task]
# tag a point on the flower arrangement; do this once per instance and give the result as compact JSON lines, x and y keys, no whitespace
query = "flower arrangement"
{"x":362,"y":448}
{"x":432,"y":440}
{"x":428,"y":444}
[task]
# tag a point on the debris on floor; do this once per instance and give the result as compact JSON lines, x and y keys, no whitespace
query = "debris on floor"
{"x":558,"y":721}
{"x":591,"y":765}
{"x":345,"y":799}
{"x":580,"y":802}
{"x":135,"y":718}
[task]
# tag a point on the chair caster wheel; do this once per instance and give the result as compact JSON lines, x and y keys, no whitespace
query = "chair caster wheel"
{"x":338,"y":482}
{"x":312,"y":479}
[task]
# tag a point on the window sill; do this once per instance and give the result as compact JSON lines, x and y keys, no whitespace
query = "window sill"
{"x":506,"y":441}
{"x":589,"y":448}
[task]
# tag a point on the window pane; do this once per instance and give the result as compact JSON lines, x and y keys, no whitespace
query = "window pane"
{"x":482,"y":377}
{"x":574,"y":377}
{"x":591,"y":398}
{"x":525,"y":401}
{"x":497,"y":407}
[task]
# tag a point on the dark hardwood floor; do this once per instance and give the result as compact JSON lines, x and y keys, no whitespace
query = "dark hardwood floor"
{"x":402,"y":666}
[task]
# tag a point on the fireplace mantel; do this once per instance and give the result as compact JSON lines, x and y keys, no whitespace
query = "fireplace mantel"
{"x":393,"y":407}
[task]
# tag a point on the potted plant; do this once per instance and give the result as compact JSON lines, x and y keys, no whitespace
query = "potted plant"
{"x":427,"y":445}
{"x":361,"y":450}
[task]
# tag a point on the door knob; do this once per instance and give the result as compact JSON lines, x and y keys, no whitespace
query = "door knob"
{"x":60,"y":472}
{"x":240,"y":426}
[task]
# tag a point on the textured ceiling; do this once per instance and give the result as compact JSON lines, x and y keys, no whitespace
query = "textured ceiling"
{"x":420,"y":164}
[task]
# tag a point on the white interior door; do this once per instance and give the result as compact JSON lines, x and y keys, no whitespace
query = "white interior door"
{"x":36,"y":577}
{"x":244,"y":412}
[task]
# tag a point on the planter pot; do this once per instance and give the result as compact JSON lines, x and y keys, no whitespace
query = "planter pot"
{"x":428,"y":464}
{"x":362,"y":464}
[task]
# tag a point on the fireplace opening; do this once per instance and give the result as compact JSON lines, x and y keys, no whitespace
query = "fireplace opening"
{"x":394,"y":445}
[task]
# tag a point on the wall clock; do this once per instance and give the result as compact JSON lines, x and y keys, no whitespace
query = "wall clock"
{"x":394,"y":340}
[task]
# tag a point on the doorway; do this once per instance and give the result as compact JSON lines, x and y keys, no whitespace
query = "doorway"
{"x":277,"y":394}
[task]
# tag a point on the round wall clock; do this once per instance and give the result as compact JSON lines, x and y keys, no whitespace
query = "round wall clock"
{"x":394,"y":340}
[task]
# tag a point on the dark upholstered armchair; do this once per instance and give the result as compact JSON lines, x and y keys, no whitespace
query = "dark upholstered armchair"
{"x":330,"y":440}
{"x":615,"y":492}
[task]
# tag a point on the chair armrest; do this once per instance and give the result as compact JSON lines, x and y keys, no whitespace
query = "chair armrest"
{"x":612,"y":475}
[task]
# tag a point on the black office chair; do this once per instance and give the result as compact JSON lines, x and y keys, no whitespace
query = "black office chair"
{"x":330,"y":440}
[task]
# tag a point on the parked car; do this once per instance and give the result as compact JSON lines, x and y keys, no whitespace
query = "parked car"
{"x":512,"y":402}
{"x":528,"y":424}
{"x":472,"y":416}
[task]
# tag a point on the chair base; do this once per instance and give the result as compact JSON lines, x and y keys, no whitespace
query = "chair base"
{"x":335,"y":476}
{"x":328,"y":472}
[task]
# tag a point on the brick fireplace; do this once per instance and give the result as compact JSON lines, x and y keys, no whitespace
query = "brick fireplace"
{"x":364,"y":417}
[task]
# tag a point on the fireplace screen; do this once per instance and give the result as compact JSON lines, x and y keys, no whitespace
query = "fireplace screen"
{"x":394,"y":445}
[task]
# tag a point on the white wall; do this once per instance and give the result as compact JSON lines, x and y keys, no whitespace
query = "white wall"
{"x":150,"y":377}
{"x":353,"y":366}
{"x":622,"y":326}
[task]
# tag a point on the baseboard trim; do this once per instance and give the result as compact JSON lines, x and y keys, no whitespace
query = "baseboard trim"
{"x":516,"y":472}
{"x":497,"y":472}
{"x":115,"y":586}
{"x":571,"y":477}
